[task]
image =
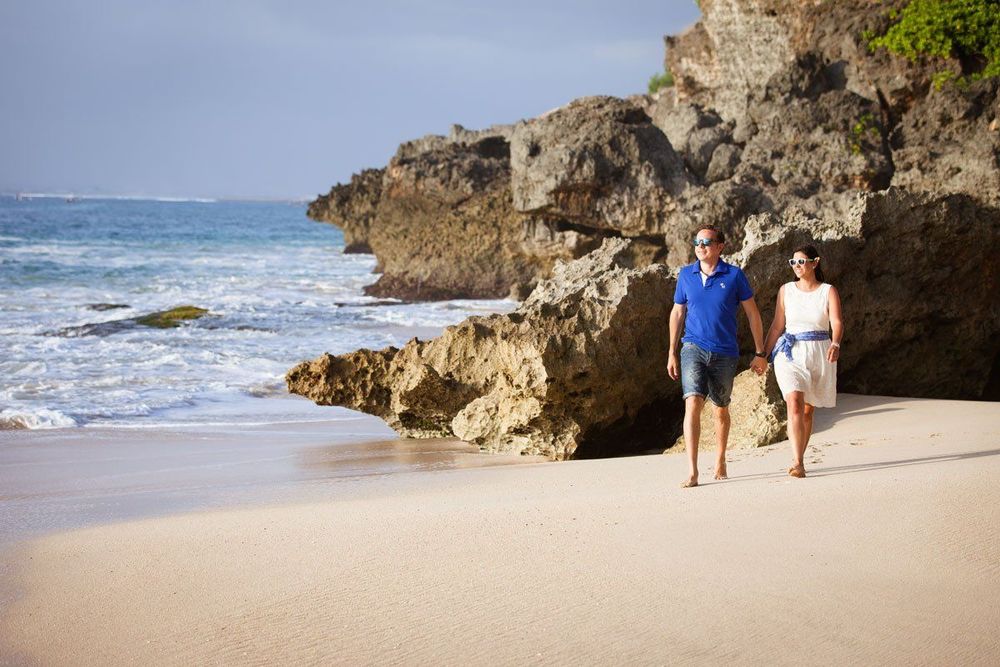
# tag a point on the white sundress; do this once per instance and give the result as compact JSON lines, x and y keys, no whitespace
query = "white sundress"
{"x":808,"y":371}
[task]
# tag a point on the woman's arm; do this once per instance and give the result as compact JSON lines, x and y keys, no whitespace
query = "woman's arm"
{"x":777,"y":324}
{"x":836,"y":325}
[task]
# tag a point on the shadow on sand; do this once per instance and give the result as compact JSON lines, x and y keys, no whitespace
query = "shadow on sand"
{"x":825,"y":420}
{"x":876,"y":465}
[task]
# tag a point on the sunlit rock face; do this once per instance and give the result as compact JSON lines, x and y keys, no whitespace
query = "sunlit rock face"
{"x":577,"y":370}
{"x":783,"y":129}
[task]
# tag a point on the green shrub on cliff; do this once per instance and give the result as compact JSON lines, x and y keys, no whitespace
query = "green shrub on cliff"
{"x":866,"y":129}
{"x":662,"y":80}
{"x":968,"y":30}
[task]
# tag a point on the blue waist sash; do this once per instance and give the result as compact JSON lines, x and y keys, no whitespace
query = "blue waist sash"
{"x":788,"y":340}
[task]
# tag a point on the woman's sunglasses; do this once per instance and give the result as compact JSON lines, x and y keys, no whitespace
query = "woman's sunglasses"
{"x":798,"y":261}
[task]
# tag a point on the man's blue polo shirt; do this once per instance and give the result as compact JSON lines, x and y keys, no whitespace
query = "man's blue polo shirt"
{"x":711,"y":308}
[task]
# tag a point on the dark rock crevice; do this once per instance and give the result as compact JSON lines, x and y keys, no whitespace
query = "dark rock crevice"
{"x":991,"y":391}
{"x":653,"y":428}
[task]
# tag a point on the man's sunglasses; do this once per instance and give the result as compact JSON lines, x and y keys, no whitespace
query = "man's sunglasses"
{"x":798,"y":261}
{"x":704,"y":243}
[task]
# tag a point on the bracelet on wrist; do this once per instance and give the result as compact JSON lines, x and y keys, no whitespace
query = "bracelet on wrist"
{"x":836,"y":345}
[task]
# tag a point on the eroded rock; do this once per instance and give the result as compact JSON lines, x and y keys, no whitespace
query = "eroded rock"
{"x":598,"y":162}
{"x":949,"y":142}
{"x":577,"y":370}
{"x":351,"y":207}
{"x":902,"y":264}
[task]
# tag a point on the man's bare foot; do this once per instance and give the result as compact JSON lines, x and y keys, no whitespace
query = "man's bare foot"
{"x":720,"y":470}
{"x":692,"y":482}
{"x":797,"y":470}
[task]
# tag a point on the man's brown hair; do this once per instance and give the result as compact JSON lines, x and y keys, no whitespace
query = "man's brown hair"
{"x":720,"y":235}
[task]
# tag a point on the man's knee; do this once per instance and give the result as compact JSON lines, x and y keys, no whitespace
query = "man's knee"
{"x":693,"y":405}
{"x":722,"y":414}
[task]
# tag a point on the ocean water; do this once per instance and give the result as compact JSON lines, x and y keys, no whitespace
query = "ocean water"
{"x":277,"y":286}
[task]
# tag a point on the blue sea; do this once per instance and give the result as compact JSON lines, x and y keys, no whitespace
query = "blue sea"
{"x":277,"y":286}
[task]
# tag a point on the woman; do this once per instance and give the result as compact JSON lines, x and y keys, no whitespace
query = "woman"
{"x":800,"y":346}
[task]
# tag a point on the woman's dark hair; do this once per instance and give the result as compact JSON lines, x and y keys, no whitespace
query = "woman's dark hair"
{"x":811,"y":252}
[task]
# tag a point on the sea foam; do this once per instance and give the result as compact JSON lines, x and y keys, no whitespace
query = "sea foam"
{"x":13,"y":420}
{"x":277,"y":287}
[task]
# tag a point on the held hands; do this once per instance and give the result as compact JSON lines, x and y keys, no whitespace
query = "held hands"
{"x":674,"y":366}
{"x":759,"y":365}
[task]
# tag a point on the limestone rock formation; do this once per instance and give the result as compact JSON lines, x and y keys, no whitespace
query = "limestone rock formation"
{"x":351,"y":207}
{"x":903,"y":265}
{"x":950,"y":142}
{"x":578,"y":370}
{"x":784,"y":128}
{"x":725,"y":59}
{"x":822,"y":114}
{"x":437,"y":199}
{"x":598,"y":162}
{"x":778,"y":105}
{"x":736,"y":47}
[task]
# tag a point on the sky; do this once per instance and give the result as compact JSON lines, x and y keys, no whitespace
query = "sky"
{"x":261,"y":99}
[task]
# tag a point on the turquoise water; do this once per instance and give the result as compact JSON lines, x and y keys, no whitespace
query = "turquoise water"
{"x":277,"y":286}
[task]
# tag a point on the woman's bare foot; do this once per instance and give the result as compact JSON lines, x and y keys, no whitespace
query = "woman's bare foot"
{"x":692,"y":482}
{"x":797,"y":470}
{"x":720,"y":470}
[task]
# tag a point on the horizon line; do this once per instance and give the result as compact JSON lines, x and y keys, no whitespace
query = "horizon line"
{"x":143,"y":197}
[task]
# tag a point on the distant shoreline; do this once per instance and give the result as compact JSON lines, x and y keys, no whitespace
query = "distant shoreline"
{"x":157,"y":198}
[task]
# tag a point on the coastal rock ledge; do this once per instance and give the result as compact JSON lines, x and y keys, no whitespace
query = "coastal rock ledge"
{"x":579,"y":369}
{"x":576,"y":371}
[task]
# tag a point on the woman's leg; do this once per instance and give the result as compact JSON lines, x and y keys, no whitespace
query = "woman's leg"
{"x":808,"y":418}
{"x":796,"y":430}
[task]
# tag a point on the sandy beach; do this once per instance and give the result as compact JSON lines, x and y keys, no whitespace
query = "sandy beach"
{"x":888,"y":553}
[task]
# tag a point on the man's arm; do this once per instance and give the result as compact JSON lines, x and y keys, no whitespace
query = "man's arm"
{"x":759,"y":364}
{"x":677,"y":315}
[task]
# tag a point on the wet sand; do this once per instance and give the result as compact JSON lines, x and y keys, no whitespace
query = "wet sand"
{"x":70,"y":478}
{"x":887,"y":553}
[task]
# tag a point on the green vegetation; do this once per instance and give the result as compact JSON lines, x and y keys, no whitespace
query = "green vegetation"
{"x":166,"y":319}
{"x":663,"y":80}
{"x":866,"y":125}
{"x":965,"y":29}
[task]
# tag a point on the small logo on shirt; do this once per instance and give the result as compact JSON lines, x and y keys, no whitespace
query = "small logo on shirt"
{"x":723,"y":285}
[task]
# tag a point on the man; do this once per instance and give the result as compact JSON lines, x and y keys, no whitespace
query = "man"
{"x":705,"y":301}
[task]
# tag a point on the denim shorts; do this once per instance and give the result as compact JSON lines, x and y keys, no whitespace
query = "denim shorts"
{"x":707,"y":374}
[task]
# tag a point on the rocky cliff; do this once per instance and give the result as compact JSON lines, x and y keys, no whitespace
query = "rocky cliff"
{"x":783,"y":128}
{"x":800,"y":114}
{"x":579,"y":368}
{"x":579,"y":359}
